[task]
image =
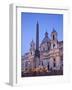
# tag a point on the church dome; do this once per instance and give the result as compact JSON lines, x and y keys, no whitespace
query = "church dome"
{"x":46,"y":39}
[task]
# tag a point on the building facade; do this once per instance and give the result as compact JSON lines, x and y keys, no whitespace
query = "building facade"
{"x":51,"y":53}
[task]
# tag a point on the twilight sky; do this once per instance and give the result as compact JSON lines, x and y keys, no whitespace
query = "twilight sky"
{"x":46,"y":23}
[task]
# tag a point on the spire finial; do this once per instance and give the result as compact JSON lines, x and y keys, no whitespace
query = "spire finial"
{"x":54,"y":30}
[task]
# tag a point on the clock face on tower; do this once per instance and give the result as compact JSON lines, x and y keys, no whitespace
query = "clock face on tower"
{"x":41,"y":44}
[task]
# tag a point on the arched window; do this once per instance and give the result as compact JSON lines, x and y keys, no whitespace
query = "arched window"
{"x":54,"y":63}
{"x":53,"y":37}
{"x":42,"y":63}
{"x":48,"y":66}
{"x":31,"y":45}
{"x":53,"y":45}
{"x":31,"y":53}
{"x":48,"y":48}
{"x":45,"y":48}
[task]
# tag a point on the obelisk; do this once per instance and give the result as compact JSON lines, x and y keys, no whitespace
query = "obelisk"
{"x":37,"y":52}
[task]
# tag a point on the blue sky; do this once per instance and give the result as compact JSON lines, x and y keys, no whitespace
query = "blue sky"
{"x":46,"y":23}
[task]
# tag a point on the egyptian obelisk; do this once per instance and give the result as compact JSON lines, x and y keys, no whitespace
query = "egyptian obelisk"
{"x":37,"y":52}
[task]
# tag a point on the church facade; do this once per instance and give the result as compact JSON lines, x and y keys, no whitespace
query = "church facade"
{"x":50,"y":50}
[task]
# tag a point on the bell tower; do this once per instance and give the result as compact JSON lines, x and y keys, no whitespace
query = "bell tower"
{"x":32,"y":48}
{"x":53,"y":39}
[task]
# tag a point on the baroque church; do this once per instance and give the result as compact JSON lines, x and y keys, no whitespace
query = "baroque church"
{"x":49,"y":53}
